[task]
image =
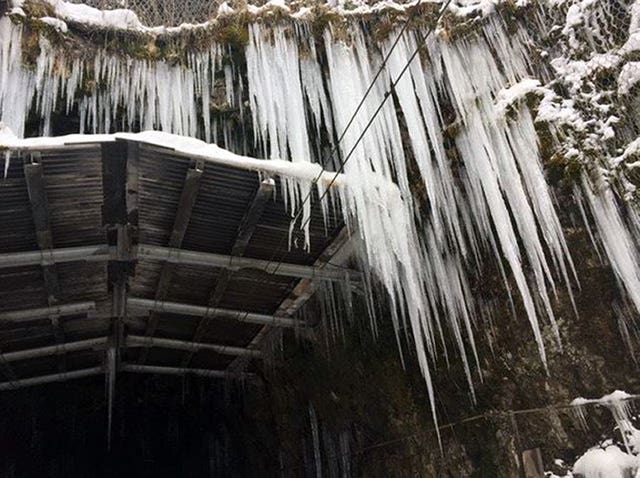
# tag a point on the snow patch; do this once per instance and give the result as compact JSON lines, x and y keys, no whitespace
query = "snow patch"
{"x":508,"y":97}
{"x":610,"y":462}
{"x":629,"y":77}
{"x":56,"y":23}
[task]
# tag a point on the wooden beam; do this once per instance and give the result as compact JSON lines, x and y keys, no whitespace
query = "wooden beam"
{"x":237,"y":263}
{"x":89,"y":344}
{"x":243,"y":236}
{"x":338,"y":253}
{"x":40,"y":209}
{"x":119,"y":185}
{"x":139,"y":341}
{"x":200,"y":372}
{"x":181,"y":222}
{"x":34,"y":177}
{"x":39,"y":313}
{"x":56,"y":377}
{"x":104,"y":253}
{"x":97,"y":253}
{"x":252,"y":217}
{"x":114,"y":178}
{"x":134,"y":303}
{"x":132,"y":185}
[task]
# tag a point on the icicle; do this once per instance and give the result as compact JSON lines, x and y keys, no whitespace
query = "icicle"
{"x":137,"y":87}
{"x":578,"y":410}
{"x":111,"y":387}
{"x":16,"y":85}
{"x":279,"y":117}
{"x":627,"y":327}
{"x":7,"y":162}
{"x":616,"y":239}
{"x":315,"y":436}
{"x":345,"y":453}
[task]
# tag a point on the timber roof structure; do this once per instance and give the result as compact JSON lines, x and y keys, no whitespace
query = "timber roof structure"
{"x":165,"y":259}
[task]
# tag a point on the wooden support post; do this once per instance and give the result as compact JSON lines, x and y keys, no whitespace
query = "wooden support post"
{"x":245,"y":231}
{"x":532,"y":463}
{"x":119,"y":182}
{"x":181,"y":222}
{"x":34,"y":177}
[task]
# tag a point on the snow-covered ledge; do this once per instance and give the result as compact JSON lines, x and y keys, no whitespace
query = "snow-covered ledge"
{"x":183,"y":146}
{"x":122,"y":19}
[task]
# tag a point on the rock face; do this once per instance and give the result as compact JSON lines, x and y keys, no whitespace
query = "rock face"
{"x":494,"y":196}
{"x":360,"y":386}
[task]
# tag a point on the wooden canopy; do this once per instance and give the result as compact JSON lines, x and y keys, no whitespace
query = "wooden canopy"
{"x":173,"y":263}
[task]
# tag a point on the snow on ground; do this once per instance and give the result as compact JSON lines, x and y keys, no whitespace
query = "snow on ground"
{"x":609,"y":462}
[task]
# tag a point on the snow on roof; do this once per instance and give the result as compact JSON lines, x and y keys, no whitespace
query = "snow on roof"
{"x":182,"y":145}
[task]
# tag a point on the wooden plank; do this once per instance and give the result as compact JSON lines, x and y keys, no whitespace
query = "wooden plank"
{"x":105,"y":253}
{"x":56,"y":377}
{"x":181,"y":371}
{"x":88,"y":344}
{"x":179,"y":308}
{"x":133,"y":341}
{"x":243,"y":236}
{"x":183,"y":216}
{"x":34,"y":177}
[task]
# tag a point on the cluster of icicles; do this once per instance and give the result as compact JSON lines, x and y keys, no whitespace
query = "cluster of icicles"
{"x":498,"y":200}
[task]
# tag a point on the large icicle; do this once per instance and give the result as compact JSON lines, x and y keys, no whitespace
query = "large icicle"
{"x":616,"y":239}
{"x":504,"y":175}
{"x":279,"y":116}
{"x":16,"y":85}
